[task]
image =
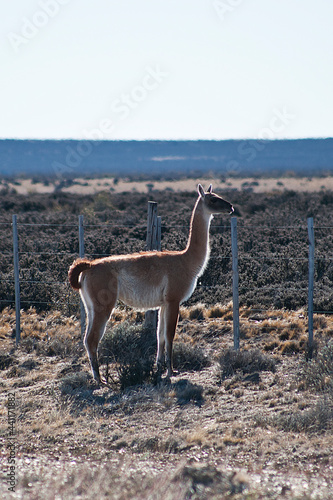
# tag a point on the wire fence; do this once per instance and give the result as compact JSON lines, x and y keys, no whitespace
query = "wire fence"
{"x":34,"y":268}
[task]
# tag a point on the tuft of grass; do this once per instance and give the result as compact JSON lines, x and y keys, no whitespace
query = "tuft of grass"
{"x":197,"y":312}
{"x":284,"y":335}
{"x":183,"y":313}
{"x":217,"y":311}
{"x":319,"y":322}
{"x":228,"y":316}
{"x":317,"y":373}
{"x":271,"y":345}
{"x":290,"y":347}
{"x":247,"y":362}
{"x":204,"y":481}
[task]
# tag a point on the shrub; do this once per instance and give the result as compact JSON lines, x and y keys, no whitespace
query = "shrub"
{"x":47,"y":251}
{"x":188,"y":358}
{"x":246,"y":361}
{"x":133,"y":349}
{"x":127,"y":340}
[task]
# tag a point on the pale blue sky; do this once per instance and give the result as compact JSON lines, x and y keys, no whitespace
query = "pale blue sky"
{"x":166,"y":69}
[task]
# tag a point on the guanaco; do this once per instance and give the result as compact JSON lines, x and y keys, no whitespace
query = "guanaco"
{"x":147,"y":280}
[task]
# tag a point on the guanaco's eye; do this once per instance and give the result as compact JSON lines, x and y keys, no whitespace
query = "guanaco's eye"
{"x":213,"y":200}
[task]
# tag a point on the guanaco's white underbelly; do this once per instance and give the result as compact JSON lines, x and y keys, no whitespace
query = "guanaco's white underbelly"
{"x":141,"y":295}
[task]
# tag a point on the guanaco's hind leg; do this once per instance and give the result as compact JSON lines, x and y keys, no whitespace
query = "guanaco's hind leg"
{"x":171,"y":320}
{"x":99,"y":308}
{"x":94,"y":333}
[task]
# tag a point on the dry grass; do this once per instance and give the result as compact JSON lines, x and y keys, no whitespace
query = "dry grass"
{"x":241,"y":425}
{"x":317,"y":373}
{"x":197,"y":312}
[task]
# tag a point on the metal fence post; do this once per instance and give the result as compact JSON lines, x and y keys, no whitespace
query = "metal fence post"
{"x":311,"y":283}
{"x":153,"y":242}
{"x":81,"y":255}
{"x":159,"y":233}
{"x":235,"y":296}
{"x":17,"y":281}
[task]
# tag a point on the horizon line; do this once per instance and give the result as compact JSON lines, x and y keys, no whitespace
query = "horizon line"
{"x":164,"y":140}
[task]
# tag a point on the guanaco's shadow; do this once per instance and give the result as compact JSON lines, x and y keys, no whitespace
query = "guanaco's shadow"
{"x":84,"y":392}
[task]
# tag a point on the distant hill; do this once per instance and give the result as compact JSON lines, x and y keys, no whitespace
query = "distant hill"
{"x":71,"y":158}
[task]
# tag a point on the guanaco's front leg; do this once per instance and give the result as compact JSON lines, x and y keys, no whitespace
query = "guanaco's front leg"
{"x":171,"y":320}
{"x":160,"y":341}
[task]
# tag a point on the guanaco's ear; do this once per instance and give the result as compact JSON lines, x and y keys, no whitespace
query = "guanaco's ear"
{"x":210,"y":189}
{"x":201,"y":191}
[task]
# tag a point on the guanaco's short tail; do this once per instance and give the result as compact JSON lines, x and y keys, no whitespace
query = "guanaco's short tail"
{"x":75,"y":270}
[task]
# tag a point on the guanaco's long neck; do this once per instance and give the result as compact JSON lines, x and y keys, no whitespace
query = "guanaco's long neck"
{"x":197,"y":249}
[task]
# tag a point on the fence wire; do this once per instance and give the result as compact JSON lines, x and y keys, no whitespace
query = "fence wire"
{"x":56,"y":292}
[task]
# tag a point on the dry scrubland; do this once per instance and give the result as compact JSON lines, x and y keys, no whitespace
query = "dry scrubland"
{"x":257,"y":424}
{"x":119,"y":185}
{"x":248,"y":425}
{"x":272,"y":243}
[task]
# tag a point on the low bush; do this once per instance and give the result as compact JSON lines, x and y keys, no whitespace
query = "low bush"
{"x":188,"y":358}
{"x":247,"y":362}
{"x":132,"y":348}
{"x":126,"y":341}
{"x":216,"y":311}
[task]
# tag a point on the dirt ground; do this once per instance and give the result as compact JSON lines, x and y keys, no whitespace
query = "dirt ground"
{"x":254,"y":431}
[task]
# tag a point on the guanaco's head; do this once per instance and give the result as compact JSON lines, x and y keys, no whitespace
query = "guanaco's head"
{"x":214,"y":203}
